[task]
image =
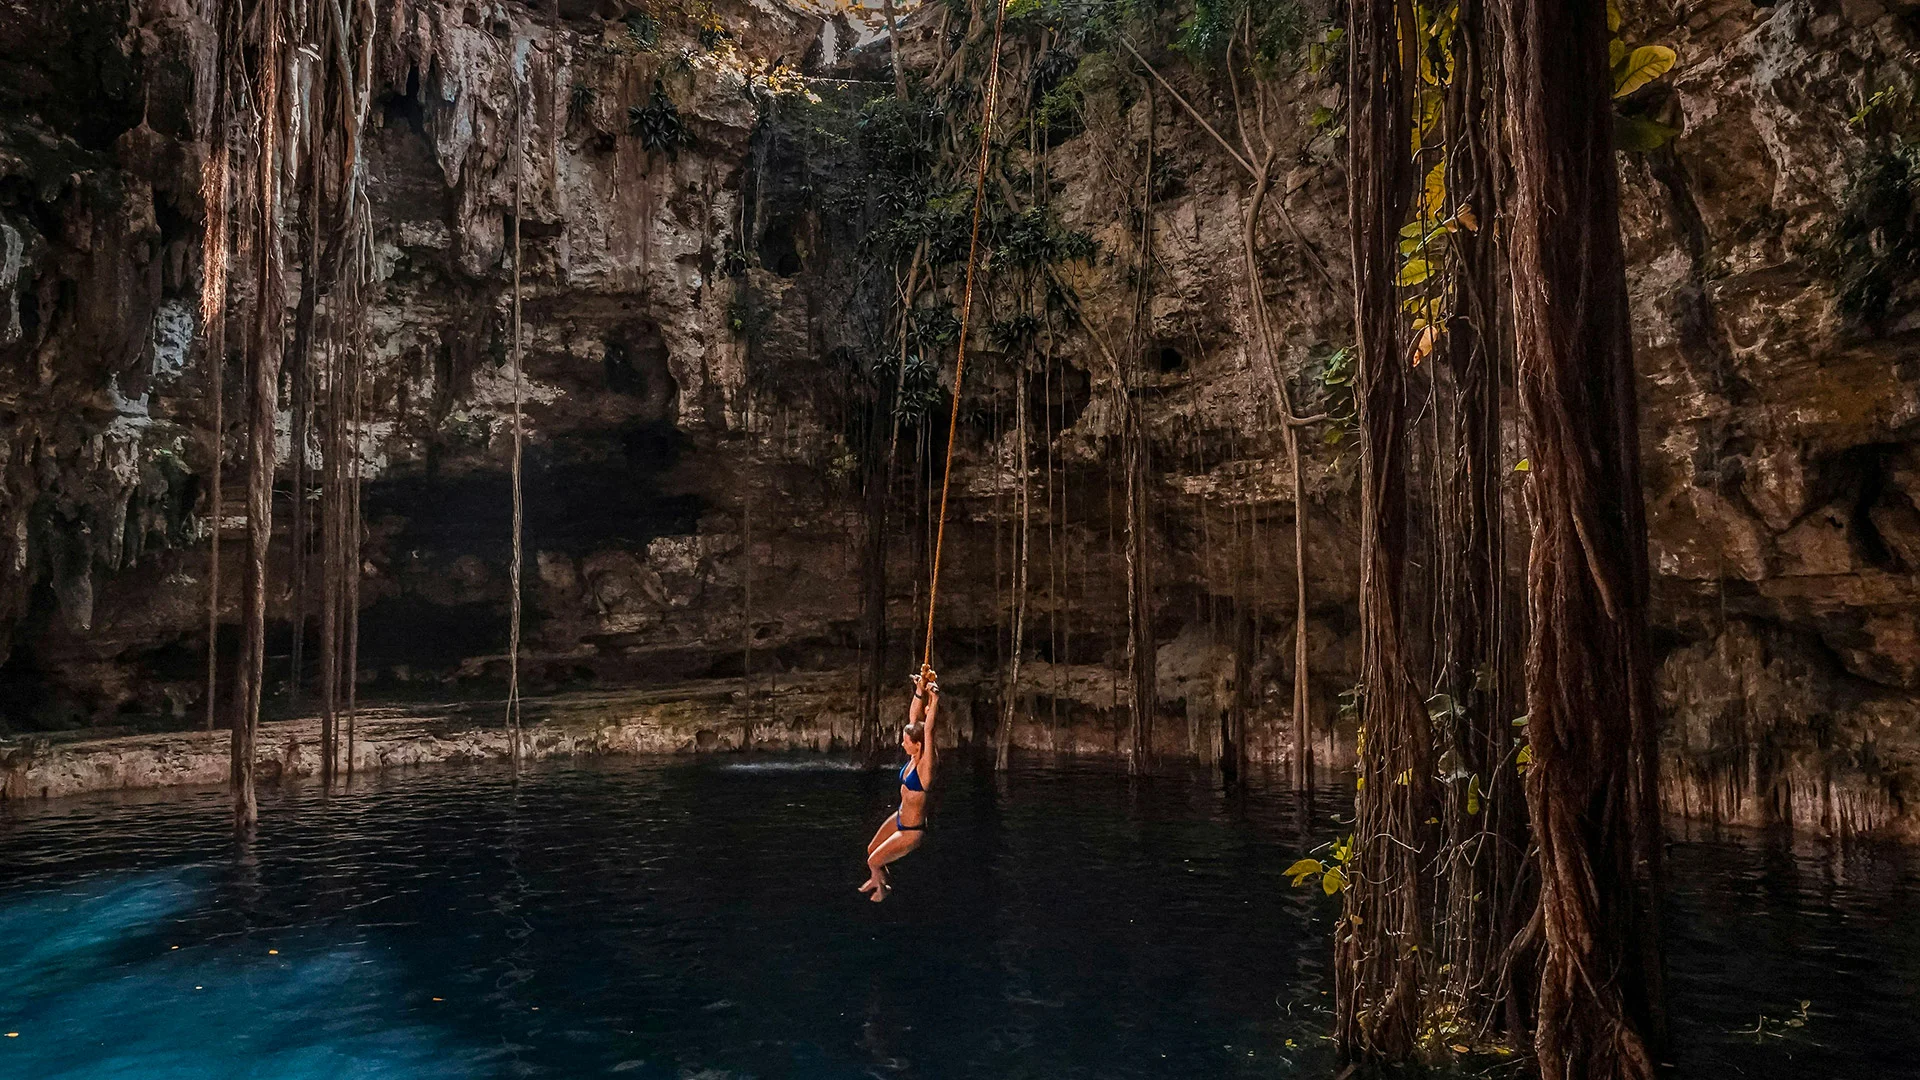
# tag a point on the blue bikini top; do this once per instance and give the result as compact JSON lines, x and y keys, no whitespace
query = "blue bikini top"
{"x":910,"y":776}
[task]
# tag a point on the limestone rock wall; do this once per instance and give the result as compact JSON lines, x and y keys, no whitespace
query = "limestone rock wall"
{"x":1780,"y":414}
{"x":690,"y":506}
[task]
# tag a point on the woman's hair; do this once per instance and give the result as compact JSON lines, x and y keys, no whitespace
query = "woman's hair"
{"x":916,"y":733}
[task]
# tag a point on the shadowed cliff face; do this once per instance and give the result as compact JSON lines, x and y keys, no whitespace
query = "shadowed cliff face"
{"x":690,"y":314}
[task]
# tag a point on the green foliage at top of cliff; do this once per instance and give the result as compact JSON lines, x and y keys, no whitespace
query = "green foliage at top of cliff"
{"x":884,"y":162}
{"x":657,"y":123}
{"x":1877,"y":239}
{"x":1275,"y":28}
{"x":873,"y":162}
{"x":1200,"y":29}
{"x":1873,"y":254}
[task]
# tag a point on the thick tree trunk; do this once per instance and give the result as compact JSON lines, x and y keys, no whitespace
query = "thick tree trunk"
{"x":1591,"y":786}
{"x":1378,"y":960}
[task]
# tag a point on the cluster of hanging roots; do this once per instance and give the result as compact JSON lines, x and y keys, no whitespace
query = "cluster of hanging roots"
{"x":295,"y":83}
{"x":1255,"y":148}
{"x":1490,"y":898}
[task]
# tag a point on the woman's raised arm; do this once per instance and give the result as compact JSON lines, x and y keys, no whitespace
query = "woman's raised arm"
{"x":931,"y":689}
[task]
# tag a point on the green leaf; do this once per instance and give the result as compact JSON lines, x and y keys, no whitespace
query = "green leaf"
{"x":1304,"y":869}
{"x":1638,"y":135}
{"x":1524,"y":758}
{"x":1613,"y":17}
{"x":1412,"y":235}
{"x":1473,"y":797}
{"x":1415,"y":272}
{"x":1426,"y":118}
{"x":1643,"y":65}
{"x":1616,"y":52}
{"x":1333,"y":882}
{"x":1523,"y":465}
{"x":1322,"y":116}
{"x":1434,"y":192}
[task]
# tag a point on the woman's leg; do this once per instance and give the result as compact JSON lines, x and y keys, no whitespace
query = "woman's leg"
{"x":888,"y":829}
{"x":890,"y":850}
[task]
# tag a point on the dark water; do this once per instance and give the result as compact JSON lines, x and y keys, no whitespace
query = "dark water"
{"x":697,"y":921}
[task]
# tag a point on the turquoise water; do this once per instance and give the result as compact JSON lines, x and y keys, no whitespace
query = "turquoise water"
{"x":698,"y":921}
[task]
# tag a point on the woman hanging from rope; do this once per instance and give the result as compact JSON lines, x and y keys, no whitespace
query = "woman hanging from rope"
{"x":903,"y":831}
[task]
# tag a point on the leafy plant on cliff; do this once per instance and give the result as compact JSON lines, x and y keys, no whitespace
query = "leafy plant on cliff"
{"x":746,"y":315}
{"x":1876,"y":244}
{"x":920,"y":390}
{"x":643,"y":30}
{"x":580,"y":99}
{"x":1014,"y":332}
{"x":1277,"y":28}
{"x":1635,"y":126}
{"x":657,"y":123}
{"x":1036,"y":239}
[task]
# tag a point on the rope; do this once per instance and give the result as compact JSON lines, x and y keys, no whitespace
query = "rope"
{"x":966,"y":313}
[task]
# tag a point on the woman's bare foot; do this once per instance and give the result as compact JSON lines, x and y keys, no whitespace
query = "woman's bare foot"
{"x":881,"y":893}
{"x":870,"y":884}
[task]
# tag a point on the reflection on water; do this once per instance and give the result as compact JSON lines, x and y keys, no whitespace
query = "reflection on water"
{"x":1758,"y":925}
{"x":697,"y":920}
